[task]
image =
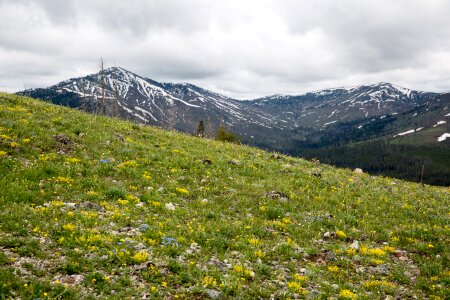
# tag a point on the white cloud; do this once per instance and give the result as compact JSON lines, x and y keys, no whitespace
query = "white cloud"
{"x":243,"y":49}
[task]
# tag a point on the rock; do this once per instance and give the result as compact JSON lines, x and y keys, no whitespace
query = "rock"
{"x":335,"y":286}
{"x":408,"y":274}
{"x":355,"y":245}
{"x":235,"y":253}
{"x":120,"y":137}
{"x":213,"y":294}
{"x":360,"y":270}
{"x":358,"y":171}
{"x":357,"y":258}
{"x":234,"y":162}
{"x":62,"y":138}
{"x":69,"y":279}
{"x":88,"y":205}
{"x":275,"y":195}
{"x":275,"y":156}
{"x":327,"y":235}
{"x":215,"y":262}
{"x":126,"y":229}
{"x":207,"y":161}
{"x":331,"y":256}
{"x":380,"y":269}
{"x":170,"y":206}
{"x":70,"y":204}
{"x":139,"y":246}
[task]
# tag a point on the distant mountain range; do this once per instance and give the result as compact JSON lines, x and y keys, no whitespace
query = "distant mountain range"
{"x":305,"y":124}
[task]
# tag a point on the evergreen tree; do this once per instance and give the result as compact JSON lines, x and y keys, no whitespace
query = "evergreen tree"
{"x":201,"y":129}
{"x":225,"y":135}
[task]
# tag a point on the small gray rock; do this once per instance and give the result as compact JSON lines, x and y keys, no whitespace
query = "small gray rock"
{"x":213,"y":294}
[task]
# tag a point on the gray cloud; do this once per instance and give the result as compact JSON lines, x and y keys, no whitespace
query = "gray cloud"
{"x":243,"y":49}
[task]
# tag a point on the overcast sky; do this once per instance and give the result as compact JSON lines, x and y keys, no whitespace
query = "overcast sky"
{"x":243,"y":49}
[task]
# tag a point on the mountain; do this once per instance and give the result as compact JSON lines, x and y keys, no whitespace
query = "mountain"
{"x":182,"y":106}
{"x":312,"y":125}
{"x":100,"y":208}
{"x":168,"y":105}
{"x":320,"y":109}
{"x":413,"y":145}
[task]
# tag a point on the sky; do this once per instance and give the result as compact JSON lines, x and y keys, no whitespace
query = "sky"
{"x":242,"y":49}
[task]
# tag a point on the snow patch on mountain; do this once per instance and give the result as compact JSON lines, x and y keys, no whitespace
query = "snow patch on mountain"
{"x":439,"y":123}
{"x":443,"y":137}
{"x":408,"y":132}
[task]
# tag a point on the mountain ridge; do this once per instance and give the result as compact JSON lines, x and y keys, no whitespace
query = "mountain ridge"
{"x":118,"y":82}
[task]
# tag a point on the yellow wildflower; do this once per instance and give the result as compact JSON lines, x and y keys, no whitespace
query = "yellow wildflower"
{"x":377,"y":261}
{"x":296,"y":287}
{"x":61,"y":179}
{"x":378,"y":283}
{"x":182,"y":191}
{"x":146,"y":175}
{"x":127,"y":164}
{"x":72,"y":160}
{"x":238,"y":269}
{"x":341,"y":234}
{"x":69,"y":227}
{"x":395,"y":239}
{"x":333,"y":269}
{"x":253,"y":241}
{"x":301,"y":278}
{"x":351,"y":251}
{"x":140,"y":256}
{"x":347,"y":294}
{"x":123,"y":202}
{"x":209,"y":281}
{"x":388,"y":249}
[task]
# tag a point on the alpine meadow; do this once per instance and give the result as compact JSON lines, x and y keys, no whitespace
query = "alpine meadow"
{"x":95,"y":207}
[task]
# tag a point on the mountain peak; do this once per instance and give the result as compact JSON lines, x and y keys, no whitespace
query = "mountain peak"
{"x":383,"y":83}
{"x":115,"y":70}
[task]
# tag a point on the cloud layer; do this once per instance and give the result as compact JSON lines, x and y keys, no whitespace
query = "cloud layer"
{"x":244,"y":49}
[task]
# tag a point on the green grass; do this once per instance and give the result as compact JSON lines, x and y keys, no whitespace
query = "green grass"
{"x":89,"y":197}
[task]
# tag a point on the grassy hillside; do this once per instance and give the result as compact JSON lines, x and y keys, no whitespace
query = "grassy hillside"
{"x":94,"y":207}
